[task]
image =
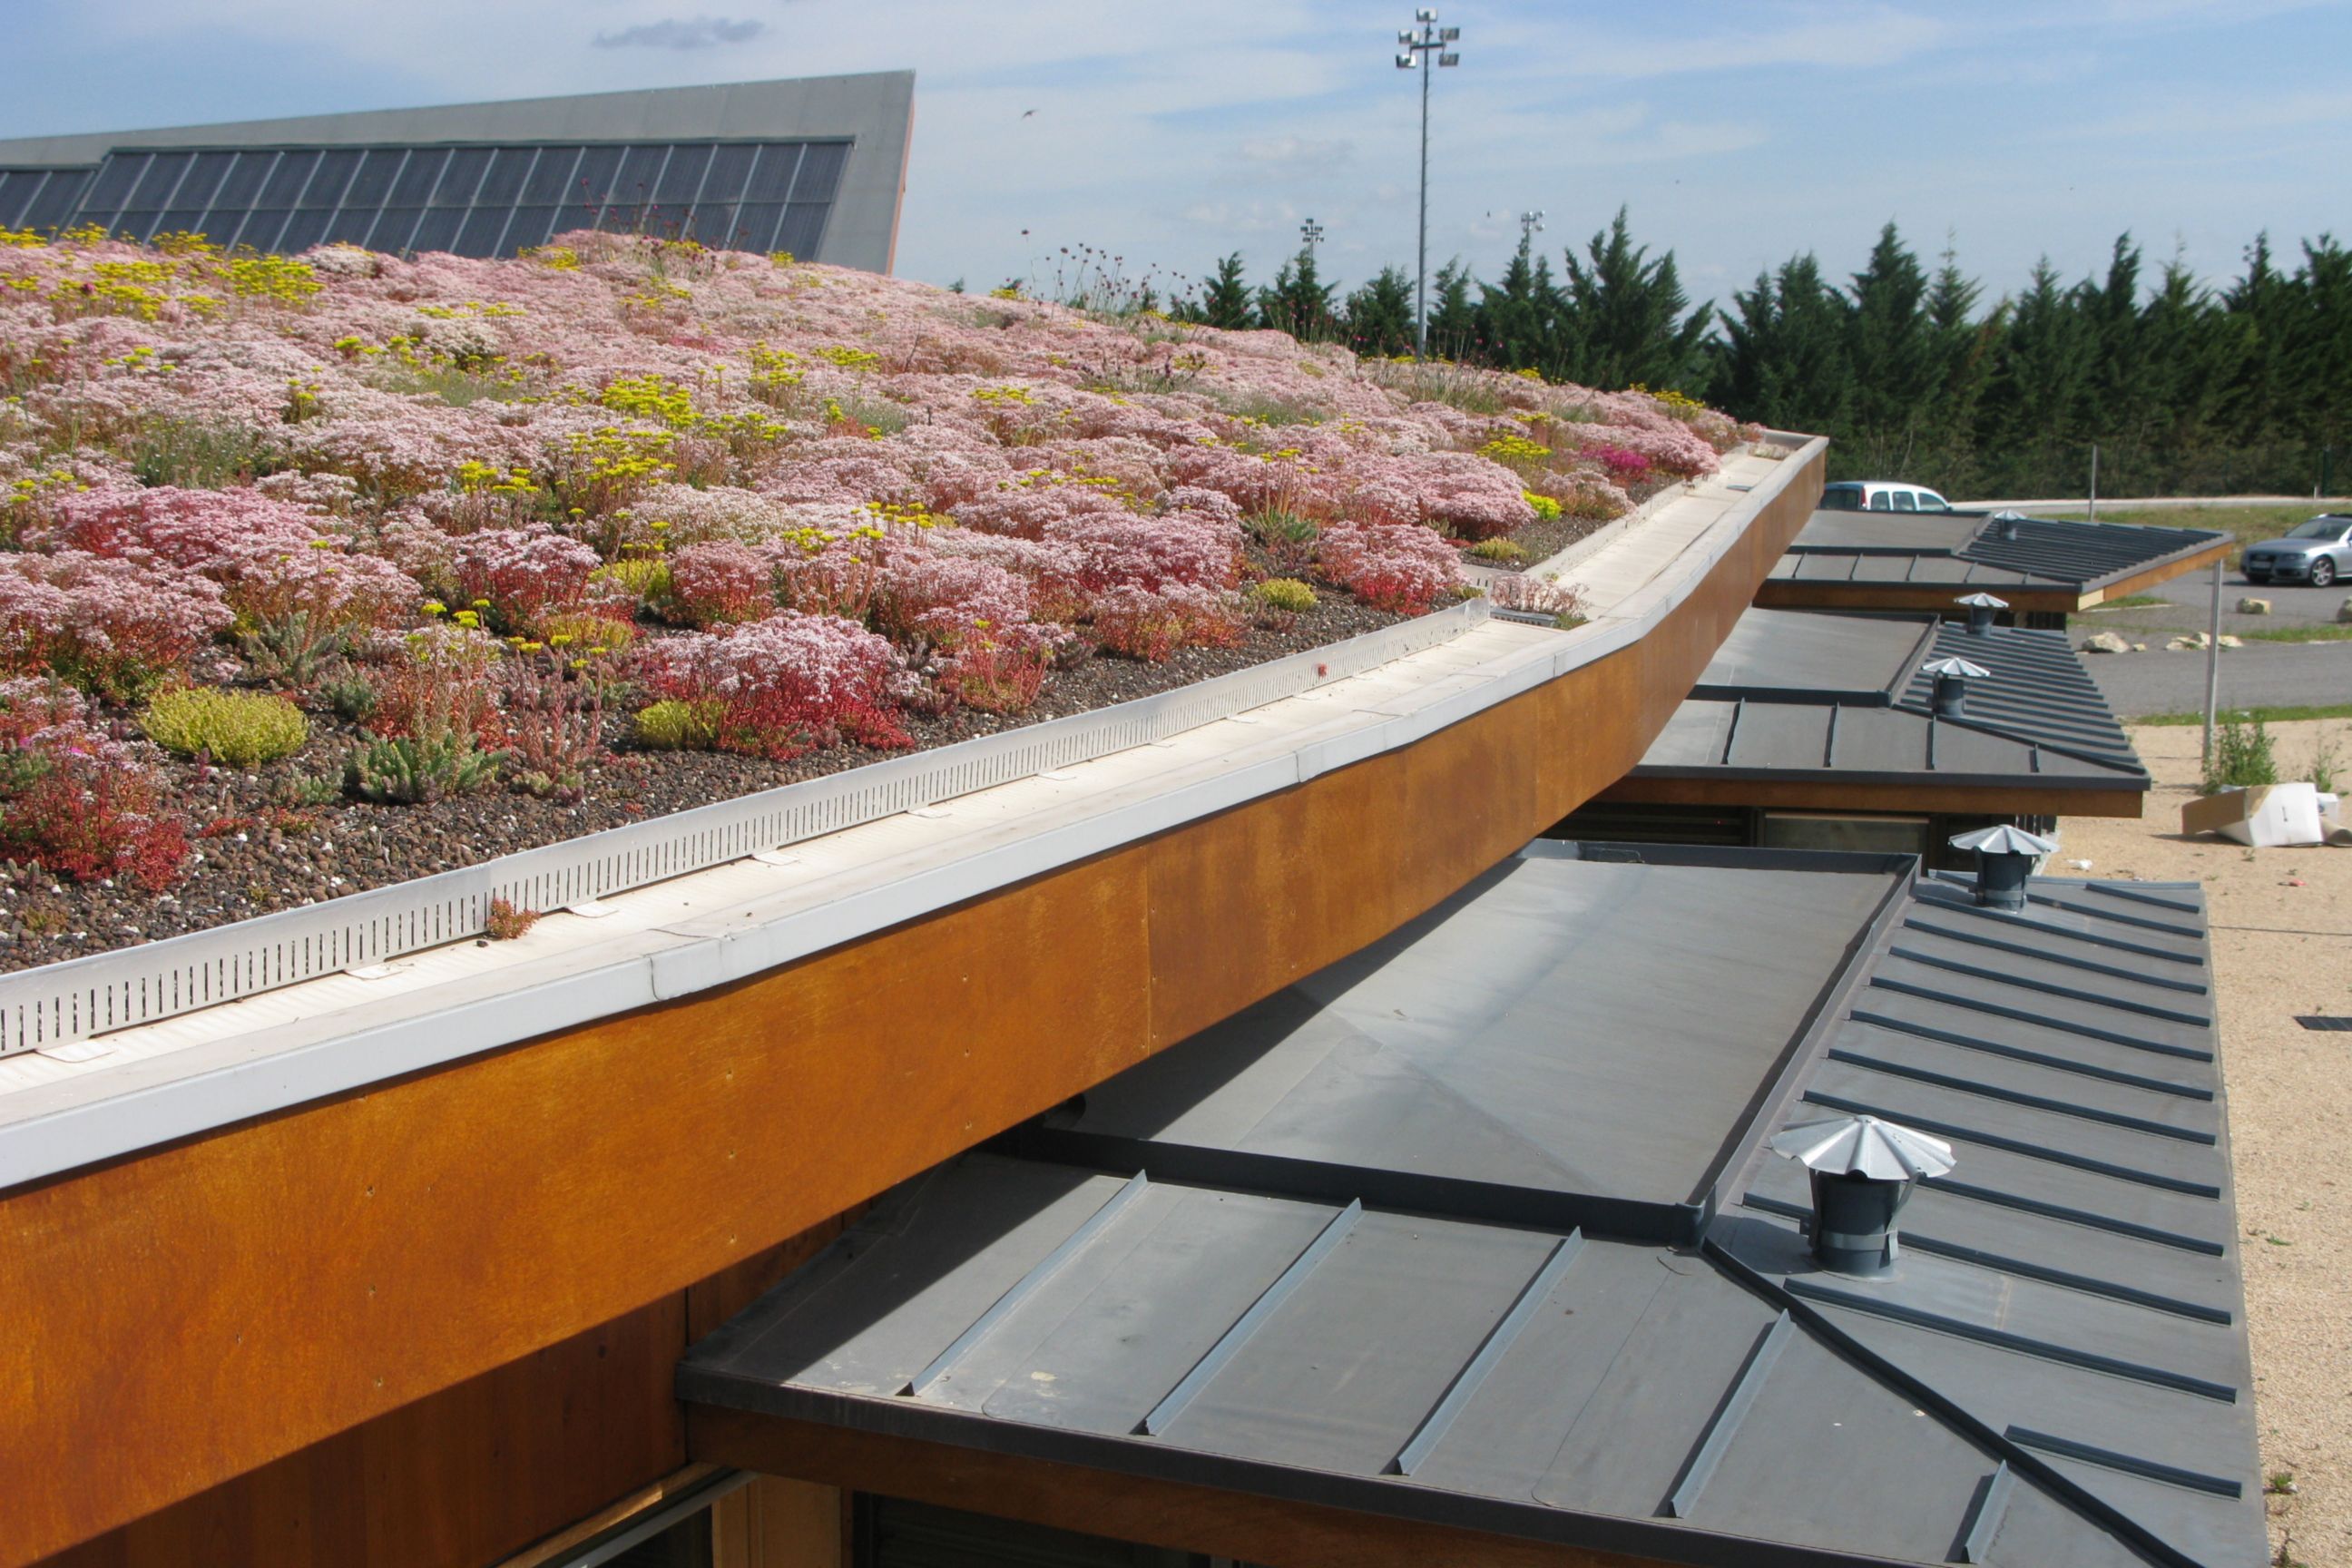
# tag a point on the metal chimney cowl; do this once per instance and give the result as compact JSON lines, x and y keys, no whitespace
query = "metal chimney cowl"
{"x":1981,"y":608}
{"x":2006,"y":856}
{"x":2005,"y":524}
{"x":1862,"y":1172}
{"x":1952,"y":678}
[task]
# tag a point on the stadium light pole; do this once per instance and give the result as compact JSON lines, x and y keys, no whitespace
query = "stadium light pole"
{"x":1423,"y":45}
{"x":1309,"y":233}
{"x":1530,"y":226}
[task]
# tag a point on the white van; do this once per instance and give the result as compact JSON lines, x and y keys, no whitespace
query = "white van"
{"x":1880,"y":495}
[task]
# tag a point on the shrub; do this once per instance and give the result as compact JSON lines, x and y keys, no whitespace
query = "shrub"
{"x":1284,"y":593}
{"x":2242,"y":758}
{"x":1547,"y":510}
{"x":240,"y":728}
{"x":785,"y":685}
{"x":516,"y":578}
{"x":673,"y":725}
{"x":1399,"y":567}
{"x":114,"y":629}
{"x":405,"y":771}
{"x":75,"y":800}
{"x":1503,"y":549}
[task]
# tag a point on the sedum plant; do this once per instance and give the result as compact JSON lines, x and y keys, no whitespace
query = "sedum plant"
{"x":407,"y":771}
{"x":239,"y":728}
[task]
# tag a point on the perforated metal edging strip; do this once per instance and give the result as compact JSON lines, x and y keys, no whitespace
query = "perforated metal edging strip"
{"x":61,"y":1003}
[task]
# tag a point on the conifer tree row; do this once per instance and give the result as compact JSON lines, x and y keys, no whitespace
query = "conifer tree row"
{"x":2186,"y":388}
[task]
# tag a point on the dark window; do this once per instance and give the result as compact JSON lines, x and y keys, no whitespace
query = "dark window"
{"x":373,"y":183}
{"x":803,"y":229}
{"x":531,"y":226}
{"x":681,"y":178}
{"x":504,"y":180}
{"x":755,"y":226}
{"x":203,"y":185}
{"x":333,"y":178}
{"x":110,"y":191}
{"x":483,"y":228}
{"x":392,"y":230}
{"x":438,"y":230}
{"x":154,"y":189}
{"x":550,"y":182}
{"x":259,"y":230}
{"x":59,"y":197}
{"x":771,"y":176}
{"x":416,"y":180}
{"x":1905,"y":501}
{"x":306,"y":228}
{"x":686,"y":1545}
{"x":893,"y":1534}
{"x":460,"y":179}
{"x":286,"y":181}
{"x":243,"y":182}
{"x":820,"y":171}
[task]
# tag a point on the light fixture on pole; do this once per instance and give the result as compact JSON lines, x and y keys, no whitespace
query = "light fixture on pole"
{"x":1309,"y":234}
{"x":1423,"y":45}
{"x":1530,"y":226}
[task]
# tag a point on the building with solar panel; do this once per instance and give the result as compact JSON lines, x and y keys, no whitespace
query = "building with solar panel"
{"x":814,"y":166}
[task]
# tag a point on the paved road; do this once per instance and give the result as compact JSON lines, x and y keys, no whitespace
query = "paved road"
{"x":2260,"y":675}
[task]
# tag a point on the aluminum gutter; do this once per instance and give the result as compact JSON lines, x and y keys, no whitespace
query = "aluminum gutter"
{"x":203,"y":1070}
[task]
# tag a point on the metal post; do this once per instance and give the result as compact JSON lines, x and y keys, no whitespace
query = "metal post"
{"x":2095,"y":481}
{"x":2212,"y":667}
{"x":1424,"y":45}
{"x":1421,"y":252}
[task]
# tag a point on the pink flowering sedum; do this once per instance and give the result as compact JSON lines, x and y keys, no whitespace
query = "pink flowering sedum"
{"x":813,"y":500}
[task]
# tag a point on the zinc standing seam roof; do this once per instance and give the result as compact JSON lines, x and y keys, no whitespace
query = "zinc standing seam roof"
{"x":1836,"y":697}
{"x":1965,"y":550}
{"x":1279,"y":1258}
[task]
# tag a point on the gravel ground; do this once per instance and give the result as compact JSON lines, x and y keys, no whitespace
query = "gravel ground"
{"x":2282,"y":938}
{"x":257,"y":854}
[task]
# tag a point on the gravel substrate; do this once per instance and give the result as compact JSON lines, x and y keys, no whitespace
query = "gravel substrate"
{"x":1542,"y":541}
{"x":2282,"y":923}
{"x":258,"y":854}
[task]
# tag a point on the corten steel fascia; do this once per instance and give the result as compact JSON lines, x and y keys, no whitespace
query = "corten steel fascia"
{"x":538,"y":1191}
{"x":79,"y":1122}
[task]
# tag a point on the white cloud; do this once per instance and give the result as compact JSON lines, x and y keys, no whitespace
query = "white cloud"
{"x":678,"y":33}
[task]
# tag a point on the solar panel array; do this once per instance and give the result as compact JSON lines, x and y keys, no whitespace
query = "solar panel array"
{"x":41,"y":198}
{"x":475,"y":200}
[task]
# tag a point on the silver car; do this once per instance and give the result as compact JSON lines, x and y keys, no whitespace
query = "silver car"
{"x":2318,"y":551}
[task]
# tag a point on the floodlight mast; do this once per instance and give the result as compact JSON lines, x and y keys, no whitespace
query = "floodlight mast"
{"x":1309,"y":234}
{"x":1425,"y":46}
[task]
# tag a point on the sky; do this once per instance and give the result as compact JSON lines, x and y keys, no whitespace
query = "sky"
{"x":1738,"y":133}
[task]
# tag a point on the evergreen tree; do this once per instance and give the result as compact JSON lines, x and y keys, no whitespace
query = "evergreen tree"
{"x":1784,"y":361}
{"x":1521,"y":325}
{"x":1452,"y":318}
{"x":1226,"y":301}
{"x":1378,"y":314}
{"x":1625,"y":319}
{"x":1893,"y":375}
{"x":1298,"y":301}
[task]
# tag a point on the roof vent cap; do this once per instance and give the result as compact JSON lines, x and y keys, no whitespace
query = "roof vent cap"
{"x":2006,"y":856}
{"x":1981,"y":608}
{"x":1952,"y":678}
{"x":1863,"y":1171}
{"x":2005,"y":524}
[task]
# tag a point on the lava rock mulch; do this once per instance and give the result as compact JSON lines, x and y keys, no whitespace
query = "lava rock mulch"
{"x":255,"y":854}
